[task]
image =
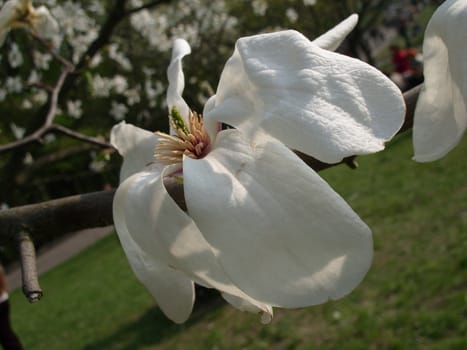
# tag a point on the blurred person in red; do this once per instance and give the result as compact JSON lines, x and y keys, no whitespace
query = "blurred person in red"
{"x":400,"y":59}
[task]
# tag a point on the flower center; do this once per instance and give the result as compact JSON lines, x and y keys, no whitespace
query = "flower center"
{"x":190,"y":140}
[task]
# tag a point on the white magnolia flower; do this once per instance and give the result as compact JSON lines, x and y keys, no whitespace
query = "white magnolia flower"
{"x":441,"y":114}
{"x":260,"y":226}
{"x":21,"y":14}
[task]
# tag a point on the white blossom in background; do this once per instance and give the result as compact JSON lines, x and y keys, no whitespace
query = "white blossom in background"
{"x":291,"y":15}
{"x":161,"y":29}
{"x":74,"y":108}
{"x":153,"y":91}
{"x":13,"y":84}
{"x":26,"y":104}
{"x":40,"y":96}
{"x":101,"y":86}
{"x":259,"y":7}
{"x":97,"y":8}
{"x":118,"y":111}
{"x":28,"y":159}
{"x":18,"y":131}
{"x":440,"y":118}
{"x":42,"y":60}
{"x":119,"y":57}
{"x":21,"y":14}
{"x":49,"y":138}
{"x":96,"y":60}
{"x":132,"y":96}
{"x":14,"y":56}
{"x":152,"y":28}
{"x":79,"y":29}
{"x":97,"y":165}
{"x":309,"y":2}
{"x":261,"y":226}
{"x":119,"y":84}
{"x":34,"y":77}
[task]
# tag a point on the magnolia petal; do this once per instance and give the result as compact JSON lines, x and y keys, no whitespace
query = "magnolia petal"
{"x":335,"y":36}
{"x":181,"y":48}
{"x":135,"y":145}
{"x":9,"y":13}
{"x":211,"y":125}
{"x":441,"y":113}
{"x":324,"y":104}
{"x":173,"y":291}
{"x":280,"y":232}
{"x":244,"y":305}
{"x":44,"y":23}
{"x":156,"y":223}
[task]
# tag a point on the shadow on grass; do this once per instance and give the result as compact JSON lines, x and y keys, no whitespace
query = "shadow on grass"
{"x":153,"y":327}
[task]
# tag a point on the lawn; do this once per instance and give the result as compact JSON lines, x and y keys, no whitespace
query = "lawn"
{"x":414,"y":297}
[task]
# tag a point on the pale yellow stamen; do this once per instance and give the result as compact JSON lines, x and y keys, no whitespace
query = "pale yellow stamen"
{"x":192,"y":141}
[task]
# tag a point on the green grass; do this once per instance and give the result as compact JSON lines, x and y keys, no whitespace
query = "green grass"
{"x":414,"y":297}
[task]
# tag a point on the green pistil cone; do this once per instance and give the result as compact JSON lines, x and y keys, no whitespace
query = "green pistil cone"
{"x":178,"y":121}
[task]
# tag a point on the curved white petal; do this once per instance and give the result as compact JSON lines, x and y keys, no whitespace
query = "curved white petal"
{"x":176,"y":78}
{"x":212,"y":126}
{"x":324,"y":104}
{"x":244,"y":305}
{"x":441,"y":113}
{"x":44,"y":23}
{"x":160,"y":227}
{"x":135,"y":145}
{"x":9,"y":13}
{"x":280,"y":232}
{"x":173,"y":291}
{"x":335,"y":36}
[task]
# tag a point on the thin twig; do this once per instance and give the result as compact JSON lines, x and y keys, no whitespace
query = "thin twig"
{"x":48,"y":125}
{"x":31,"y":288}
{"x":79,"y":136}
{"x":51,"y":49}
{"x":147,"y":6}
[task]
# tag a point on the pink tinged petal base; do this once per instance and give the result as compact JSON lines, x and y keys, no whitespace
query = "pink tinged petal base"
{"x":327,"y":105}
{"x":441,"y":114}
{"x":172,"y":290}
{"x":135,"y":145}
{"x":157,"y":225}
{"x":280,"y":232}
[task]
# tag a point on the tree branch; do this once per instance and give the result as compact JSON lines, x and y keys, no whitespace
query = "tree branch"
{"x":52,"y":51}
{"x":147,"y":6}
{"x":79,"y":136}
{"x":31,"y":287}
{"x":52,"y":110}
